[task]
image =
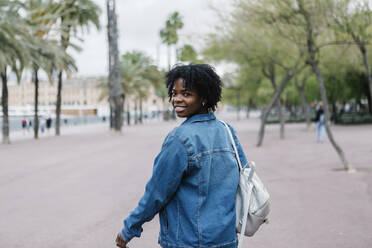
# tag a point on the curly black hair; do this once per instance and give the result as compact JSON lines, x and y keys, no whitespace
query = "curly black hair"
{"x":199,"y":77}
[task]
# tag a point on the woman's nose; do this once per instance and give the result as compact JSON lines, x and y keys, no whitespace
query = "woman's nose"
{"x":177,"y":98}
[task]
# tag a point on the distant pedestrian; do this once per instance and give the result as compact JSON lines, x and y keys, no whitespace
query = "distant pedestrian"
{"x":195,"y":176}
{"x":29,"y":125}
{"x":24,"y":125}
{"x":320,"y":123}
{"x":48,"y":123}
{"x":42,"y":125}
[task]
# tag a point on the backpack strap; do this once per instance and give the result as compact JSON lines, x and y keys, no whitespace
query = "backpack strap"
{"x":234,"y":146}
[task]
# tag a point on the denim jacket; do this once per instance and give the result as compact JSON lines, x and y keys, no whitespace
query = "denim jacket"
{"x":193,"y":187}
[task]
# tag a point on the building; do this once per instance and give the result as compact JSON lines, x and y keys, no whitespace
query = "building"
{"x":80,"y":96}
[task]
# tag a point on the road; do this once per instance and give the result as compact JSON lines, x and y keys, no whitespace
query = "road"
{"x":74,"y":190}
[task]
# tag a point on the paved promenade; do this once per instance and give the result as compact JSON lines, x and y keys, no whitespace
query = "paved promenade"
{"x":73,"y":191}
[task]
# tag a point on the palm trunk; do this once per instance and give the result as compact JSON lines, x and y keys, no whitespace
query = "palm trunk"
{"x":169,"y":57}
{"x":323,"y":94}
{"x":4,"y":104}
{"x":266,"y":112}
{"x":123,"y":108}
{"x":58,"y":104}
{"x":141,"y":111}
{"x":112,"y":114}
{"x":368,"y":70}
{"x":116,"y":91}
{"x":128,"y":114}
{"x":36,"y":104}
{"x":135,"y":112}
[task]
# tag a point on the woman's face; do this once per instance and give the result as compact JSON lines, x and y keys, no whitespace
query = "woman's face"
{"x":186,"y":102}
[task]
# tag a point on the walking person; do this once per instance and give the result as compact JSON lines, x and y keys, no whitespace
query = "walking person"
{"x":24,"y":125}
{"x":320,"y":125}
{"x":42,"y":124}
{"x":195,"y":176}
{"x":48,"y":123}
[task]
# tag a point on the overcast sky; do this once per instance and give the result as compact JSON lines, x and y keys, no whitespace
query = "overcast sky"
{"x":139,"y":24}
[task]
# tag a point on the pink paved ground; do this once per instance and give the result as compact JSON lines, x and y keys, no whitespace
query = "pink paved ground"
{"x":74,"y":190}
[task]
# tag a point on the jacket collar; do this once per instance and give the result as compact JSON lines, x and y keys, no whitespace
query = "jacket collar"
{"x":200,"y":117}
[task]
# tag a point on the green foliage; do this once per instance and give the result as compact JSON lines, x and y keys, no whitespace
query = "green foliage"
{"x":260,"y":37}
{"x":138,"y":75}
{"x":187,"y":53}
{"x":169,"y":34}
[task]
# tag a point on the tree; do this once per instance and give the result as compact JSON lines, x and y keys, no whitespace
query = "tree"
{"x":354,"y":18}
{"x":169,"y":34}
{"x":14,"y":39}
{"x":304,"y":22}
{"x":44,"y":53}
{"x":187,"y":53}
{"x":116,"y":98}
{"x":251,"y":42}
{"x":138,"y":75}
{"x":74,"y":15}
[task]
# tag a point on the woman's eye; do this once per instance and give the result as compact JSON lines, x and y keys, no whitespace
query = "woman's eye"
{"x":186,"y":94}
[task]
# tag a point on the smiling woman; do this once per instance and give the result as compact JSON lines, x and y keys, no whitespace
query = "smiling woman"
{"x":193,"y":89}
{"x":195,"y":176}
{"x":186,"y":102}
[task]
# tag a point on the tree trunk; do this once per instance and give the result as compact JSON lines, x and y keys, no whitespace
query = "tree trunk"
{"x":65,"y":39}
{"x":112,"y":115}
{"x":141,"y":111}
{"x":323,"y":94}
{"x":135,"y":112}
{"x":266,"y":112}
{"x":4,"y":104}
{"x":36,"y":104}
{"x":169,"y":57}
{"x":281,"y":118}
{"x":249,"y":103}
{"x":305,"y":109}
{"x":128,"y":114}
{"x":59,"y":104}
{"x":272,"y":77}
{"x":312,"y":61}
{"x":238,"y":104}
{"x":368,"y":70}
{"x":123,"y":108}
{"x":115,"y":89}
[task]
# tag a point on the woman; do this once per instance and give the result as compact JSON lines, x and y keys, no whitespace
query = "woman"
{"x":320,"y":125}
{"x":195,"y":176}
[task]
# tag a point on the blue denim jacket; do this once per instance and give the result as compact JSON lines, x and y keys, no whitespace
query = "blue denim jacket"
{"x":193,"y":187}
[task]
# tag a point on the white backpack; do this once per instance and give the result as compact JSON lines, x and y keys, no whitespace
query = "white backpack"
{"x":252,"y":198}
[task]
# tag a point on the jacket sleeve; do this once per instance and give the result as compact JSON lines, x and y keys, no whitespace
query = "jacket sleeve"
{"x":243,"y":159}
{"x":169,"y":167}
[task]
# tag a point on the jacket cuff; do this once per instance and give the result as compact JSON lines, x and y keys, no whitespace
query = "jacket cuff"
{"x":127,"y":237}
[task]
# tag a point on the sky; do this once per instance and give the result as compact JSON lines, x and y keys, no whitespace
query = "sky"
{"x":139,"y":23}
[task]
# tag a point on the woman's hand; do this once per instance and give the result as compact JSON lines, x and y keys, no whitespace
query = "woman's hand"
{"x":120,"y":242}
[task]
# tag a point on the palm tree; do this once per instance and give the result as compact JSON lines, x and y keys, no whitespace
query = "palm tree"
{"x":46,"y":54}
{"x":137,"y":75}
{"x":169,"y":33}
{"x":13,"y":52}
{"x":75,"y":15}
